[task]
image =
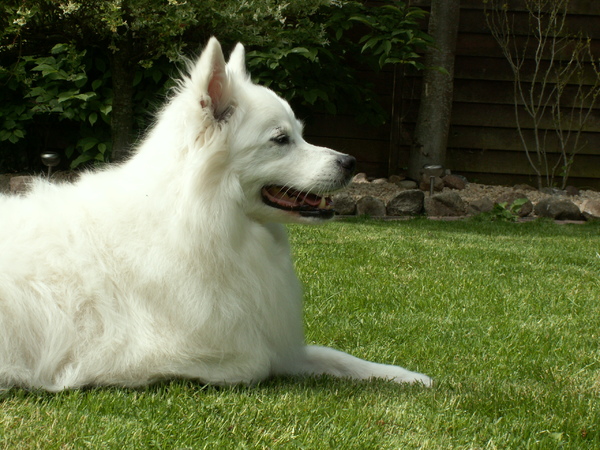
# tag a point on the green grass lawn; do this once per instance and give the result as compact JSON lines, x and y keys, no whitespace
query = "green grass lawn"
{"x":505,"y":317}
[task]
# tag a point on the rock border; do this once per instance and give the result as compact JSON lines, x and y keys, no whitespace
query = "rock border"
{"x":454,"y":198}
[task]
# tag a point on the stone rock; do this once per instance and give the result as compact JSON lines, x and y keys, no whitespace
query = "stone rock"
{"x":360,"y":178}
{"x":344,"y":204}
{"x":20,"y":184}
{"x":4,"y":183}
{"x":396,"y":179}
{"x":438,"y":184}
{"x":524,"y":187}
{"x":370,"y":206}
{"x":558,"y":209}
{"x":481,"y":205}
{"x":591,"y":209}
{"x":407,"y":184}
{"x":572,"y":191}
{"x":510,"y":197}
{"x":552,"y":191}
{"x":454,"y":182}
{"x":407,"y":203}
{"x":446,"y":204}
{"x":379,"y":181}
{"x":64,"y":176}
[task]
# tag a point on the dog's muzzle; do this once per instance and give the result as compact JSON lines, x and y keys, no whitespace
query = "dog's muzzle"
{"x":308,"y":204}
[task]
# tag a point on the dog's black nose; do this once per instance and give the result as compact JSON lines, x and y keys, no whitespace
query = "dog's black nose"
{"x":347,"y":163}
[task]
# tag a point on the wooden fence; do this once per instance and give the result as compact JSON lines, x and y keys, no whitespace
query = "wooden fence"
{"x":483,"y":143}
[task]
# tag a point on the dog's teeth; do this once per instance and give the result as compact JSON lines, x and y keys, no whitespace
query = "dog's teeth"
{"x":323,"y":203}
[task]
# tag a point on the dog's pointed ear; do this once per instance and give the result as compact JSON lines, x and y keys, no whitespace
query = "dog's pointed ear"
{"x":211,"y":77}
{"x":237,"y":61}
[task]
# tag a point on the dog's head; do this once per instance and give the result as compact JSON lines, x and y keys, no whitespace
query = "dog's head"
{"x":282,"y":177}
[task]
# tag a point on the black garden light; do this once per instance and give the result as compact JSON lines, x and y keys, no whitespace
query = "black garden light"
{"x":432,"y":171}
{"x":50,"y":160}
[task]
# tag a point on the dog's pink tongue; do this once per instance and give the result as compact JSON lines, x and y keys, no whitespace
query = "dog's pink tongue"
{"x":281,"y":197}
{"x":309,"y":199}
{"x":293,"y":199}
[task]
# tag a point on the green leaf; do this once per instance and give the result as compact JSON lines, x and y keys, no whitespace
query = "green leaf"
{"x":386,"y":47}
{"x":67,"y":95}
{"x":440,"y":70}
{"x":80,"y":160}
{"x":106,"y":109}
{"x":370,"y":43}
{"x":93,"y":117}
{"x":59,"y":48}
{"x":156,"y":75}
{"x":310,"y":96}
{"x":45,"y":69}
{"x":36,"y":91}
{"x":330,"y":108}
{"x":87,"y":143}
{"x":382,"y":60}
{"x":80,"y":80}
{"x":139,"y":75}
{"x":101,"y":64}
{"x":85,"y":96}
{"x":363,"y":19}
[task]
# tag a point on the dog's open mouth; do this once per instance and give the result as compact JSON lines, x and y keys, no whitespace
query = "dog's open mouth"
{"x":304,"y":203}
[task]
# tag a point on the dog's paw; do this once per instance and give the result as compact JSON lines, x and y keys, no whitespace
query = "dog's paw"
{"x":414,"y":378}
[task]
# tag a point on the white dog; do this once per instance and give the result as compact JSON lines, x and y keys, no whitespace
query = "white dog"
{"x":174,"y":264}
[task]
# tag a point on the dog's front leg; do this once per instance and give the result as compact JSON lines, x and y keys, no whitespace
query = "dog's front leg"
{"x":324,"y":360}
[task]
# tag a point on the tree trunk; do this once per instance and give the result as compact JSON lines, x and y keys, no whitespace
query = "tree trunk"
{"x":433,"y":122}
{"x":123,"y":72}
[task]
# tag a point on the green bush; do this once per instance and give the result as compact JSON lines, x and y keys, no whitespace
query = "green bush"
{"x":357,"y":37}
{"x":69,"y":90}
{"x":310,"y":52}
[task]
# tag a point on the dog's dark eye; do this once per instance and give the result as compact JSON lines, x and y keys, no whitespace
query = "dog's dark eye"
{"x":282,"y":139}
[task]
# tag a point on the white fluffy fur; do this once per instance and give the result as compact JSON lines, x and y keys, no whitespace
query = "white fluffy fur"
{"x":171,"y":265}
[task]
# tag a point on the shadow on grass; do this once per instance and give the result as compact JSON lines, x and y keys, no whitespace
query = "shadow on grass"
{"x":176,"y":387}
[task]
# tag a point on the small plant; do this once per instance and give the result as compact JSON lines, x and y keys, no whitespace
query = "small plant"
{"x":505,"y":211}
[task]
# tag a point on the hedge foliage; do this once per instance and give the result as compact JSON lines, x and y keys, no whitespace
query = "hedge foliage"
{"x":57,"y":61}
